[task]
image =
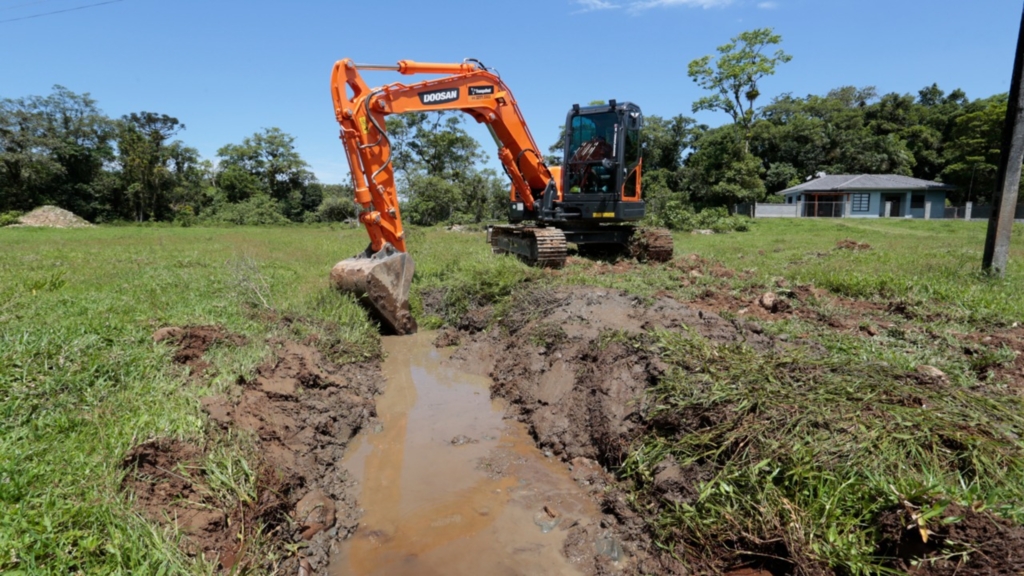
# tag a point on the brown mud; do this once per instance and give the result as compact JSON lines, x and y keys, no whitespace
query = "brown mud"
{"x":301,"y":411}
{"x":451,"y":487}
{"x":192,"y":342}
{"x":978,"y":544}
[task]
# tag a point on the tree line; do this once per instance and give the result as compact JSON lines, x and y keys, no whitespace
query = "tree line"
{"x":61,"y":149}
{"x":933,"y":135}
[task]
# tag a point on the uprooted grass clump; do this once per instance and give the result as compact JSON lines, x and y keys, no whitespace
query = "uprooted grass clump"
{"x":793,"y":459}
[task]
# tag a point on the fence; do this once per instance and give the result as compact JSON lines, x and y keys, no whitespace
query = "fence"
{"x":837,"y":210}
{"x":983,"y":212}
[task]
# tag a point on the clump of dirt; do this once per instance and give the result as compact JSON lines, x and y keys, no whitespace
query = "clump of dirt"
{"x":988,"y":355}
{"x":978,"y":543}
{"x":651,"y":244}
{"x":171,"y":486}
{"x":302,"y":410}
{"x":432,"y":301}
{"x":52,"y":217}
{"x":853,"y":245}
{"x":193,"y":342}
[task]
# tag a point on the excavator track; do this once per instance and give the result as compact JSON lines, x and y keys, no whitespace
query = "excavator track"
{"x":541,"y":247}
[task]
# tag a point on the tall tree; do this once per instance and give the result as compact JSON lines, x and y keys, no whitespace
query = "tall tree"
{"x":740,"y":65}
{"x":972,"y":154}
{"x":144,"y":154}
{"x":436,"y":162}
{"x":720,"y":172}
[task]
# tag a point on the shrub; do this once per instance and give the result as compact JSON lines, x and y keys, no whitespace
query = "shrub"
{"x":678,"y":216}
{"x":260,"y":210}
{"x":333,"y":209}
{"x":185,"y":217}
{"x":8,"y":218}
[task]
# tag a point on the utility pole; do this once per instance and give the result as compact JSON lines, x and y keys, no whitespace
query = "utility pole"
{"x":1004,"y":204}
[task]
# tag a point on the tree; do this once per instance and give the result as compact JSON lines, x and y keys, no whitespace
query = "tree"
{"x":799,"y":137}
{"x":144,"y":155}
{"x":52,"y":151}
{"x":267,"y":163}
{"x":337,"y":204}
{"x":972,"y":155}
{"x":720,"y":172}
{"x":664,"y":141}
{"x":435,"y":161}
{"x":434,"y":144}
{"x":733,"y":80}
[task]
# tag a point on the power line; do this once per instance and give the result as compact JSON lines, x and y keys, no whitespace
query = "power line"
{"x":23,"y":4}
{"x":60,"y":11}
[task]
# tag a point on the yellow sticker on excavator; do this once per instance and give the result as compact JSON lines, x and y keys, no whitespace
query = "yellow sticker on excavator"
{"x":362,"y":121}
{"x":604,"y":214}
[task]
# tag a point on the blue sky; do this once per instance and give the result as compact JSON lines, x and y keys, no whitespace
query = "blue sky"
{"x":228,"y":68}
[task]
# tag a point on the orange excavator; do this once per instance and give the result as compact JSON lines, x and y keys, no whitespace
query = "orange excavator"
{"x":593,"y":200}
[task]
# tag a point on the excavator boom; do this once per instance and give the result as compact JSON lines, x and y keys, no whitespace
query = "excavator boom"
{"x":382,"y":274}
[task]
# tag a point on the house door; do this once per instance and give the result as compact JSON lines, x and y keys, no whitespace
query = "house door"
{"x":894,"y":200}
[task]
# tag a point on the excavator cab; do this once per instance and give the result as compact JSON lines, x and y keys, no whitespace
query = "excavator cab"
{"x":593,"y":200}
{"x":600,"y":173}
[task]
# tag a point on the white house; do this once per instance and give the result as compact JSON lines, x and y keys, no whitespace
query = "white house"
{"x":868,"y":196}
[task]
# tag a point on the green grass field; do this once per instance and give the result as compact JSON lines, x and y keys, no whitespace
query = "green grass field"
{"x":81,"y":381}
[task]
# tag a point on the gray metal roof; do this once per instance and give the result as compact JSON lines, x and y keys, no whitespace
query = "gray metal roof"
{"x":844,"y":182}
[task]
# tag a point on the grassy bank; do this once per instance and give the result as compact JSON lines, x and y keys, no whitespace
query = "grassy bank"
{"x":81,"y":381}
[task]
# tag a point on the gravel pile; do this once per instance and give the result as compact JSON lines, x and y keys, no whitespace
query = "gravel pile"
{"x":52,"y":217}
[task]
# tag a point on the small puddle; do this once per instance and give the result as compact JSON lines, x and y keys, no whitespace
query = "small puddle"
{"x":450,"y":487}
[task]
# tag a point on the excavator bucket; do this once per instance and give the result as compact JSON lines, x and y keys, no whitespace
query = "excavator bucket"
{"x":381,"y":282}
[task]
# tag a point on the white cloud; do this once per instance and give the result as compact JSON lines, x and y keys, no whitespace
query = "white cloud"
{"x":592,"y":5}
{"x":768,"y":5}
{"x":647,"y":4}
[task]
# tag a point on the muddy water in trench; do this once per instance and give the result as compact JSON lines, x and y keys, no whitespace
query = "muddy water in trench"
{"x":448,"y":486}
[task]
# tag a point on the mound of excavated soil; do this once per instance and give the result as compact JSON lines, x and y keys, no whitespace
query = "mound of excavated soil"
{"x":576,"y":370}
{"x":52,"y":217}
{"x":302,"y":410}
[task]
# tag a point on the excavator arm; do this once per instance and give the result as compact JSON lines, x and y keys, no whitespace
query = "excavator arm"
{"x":469,"y":87}
{"x":382,"y":275}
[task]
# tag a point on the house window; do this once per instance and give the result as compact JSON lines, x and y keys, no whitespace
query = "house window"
{"x":917,"y":201}
{"x":861,"y":202}
{"x":789,"y":200}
